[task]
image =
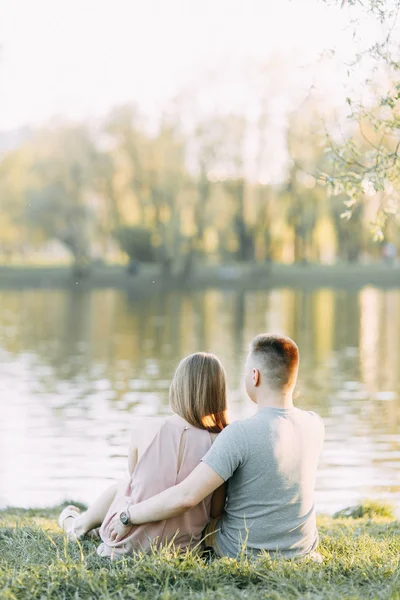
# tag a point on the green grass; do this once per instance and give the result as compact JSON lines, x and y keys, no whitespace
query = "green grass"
{"x":361,"y":560}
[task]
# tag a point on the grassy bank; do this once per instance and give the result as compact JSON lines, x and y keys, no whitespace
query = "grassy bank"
{"x":361,"y":561}
{"x":233,"y":276}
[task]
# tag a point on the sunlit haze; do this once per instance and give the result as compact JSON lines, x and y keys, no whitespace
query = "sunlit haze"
{"x":78,"y":58}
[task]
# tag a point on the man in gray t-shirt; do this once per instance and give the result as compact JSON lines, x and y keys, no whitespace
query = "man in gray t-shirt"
{"x":269,"y":461}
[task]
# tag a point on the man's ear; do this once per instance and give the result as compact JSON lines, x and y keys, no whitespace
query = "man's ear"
{"x":256,"y":377}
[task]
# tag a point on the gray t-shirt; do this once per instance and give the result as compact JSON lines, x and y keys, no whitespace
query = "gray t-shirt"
{"x":270,"y":462}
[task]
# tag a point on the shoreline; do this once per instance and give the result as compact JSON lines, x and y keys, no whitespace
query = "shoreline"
{"x":230,"y":276}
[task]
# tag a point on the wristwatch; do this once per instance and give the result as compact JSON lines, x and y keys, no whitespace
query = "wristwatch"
{"x":124,"y":517}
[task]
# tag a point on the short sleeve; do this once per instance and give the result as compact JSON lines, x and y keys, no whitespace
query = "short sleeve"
{"x":228,"y":452}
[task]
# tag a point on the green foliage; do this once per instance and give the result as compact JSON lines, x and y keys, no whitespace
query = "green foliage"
{"x":47,"y":182}
{"x":361,"y":561}
{"x":136,"y":243}
{"x":382,"y":9}
{"x":368,"y":509}
{"x":365,"y":165}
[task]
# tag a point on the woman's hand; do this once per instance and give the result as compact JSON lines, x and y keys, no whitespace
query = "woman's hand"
{"x":118,"y":531}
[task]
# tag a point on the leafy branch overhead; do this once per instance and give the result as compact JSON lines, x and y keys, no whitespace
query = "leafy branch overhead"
{"x":365,"y":161}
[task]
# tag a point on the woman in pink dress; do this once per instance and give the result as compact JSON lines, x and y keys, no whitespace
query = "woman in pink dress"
{"x":160,"y":458}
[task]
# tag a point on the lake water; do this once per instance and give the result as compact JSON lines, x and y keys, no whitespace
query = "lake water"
{"x":77,"y":370}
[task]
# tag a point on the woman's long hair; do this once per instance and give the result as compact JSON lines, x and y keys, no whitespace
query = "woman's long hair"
{"x":198,"y":392}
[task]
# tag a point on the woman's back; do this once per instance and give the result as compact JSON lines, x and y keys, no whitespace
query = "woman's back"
{"x":175,"y":451}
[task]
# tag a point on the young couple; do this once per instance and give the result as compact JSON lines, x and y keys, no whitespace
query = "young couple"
{"x":198,"y":481}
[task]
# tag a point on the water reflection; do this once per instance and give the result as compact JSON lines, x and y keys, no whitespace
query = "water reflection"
{"x":77,"y":369}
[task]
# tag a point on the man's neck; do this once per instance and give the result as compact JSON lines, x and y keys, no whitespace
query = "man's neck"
{"x":271,"y":399}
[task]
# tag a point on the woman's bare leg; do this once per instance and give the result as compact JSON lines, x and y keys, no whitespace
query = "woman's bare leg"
{"x":80,"y":524}
{"x":95,"y":514}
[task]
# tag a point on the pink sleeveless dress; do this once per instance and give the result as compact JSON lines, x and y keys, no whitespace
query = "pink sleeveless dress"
{"x":157,"y":470}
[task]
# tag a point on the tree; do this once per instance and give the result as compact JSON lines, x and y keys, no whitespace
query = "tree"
{"x":203,"y":149}
{"x":137,"y":244}
{"x":46,"y":186}
{"x":366,"y":164}
{"x":349,"y":231}
{"x":59,"y":199}
{"x":13,"y":180}
{"x":304,"y":193}
{"x":153,"y":181}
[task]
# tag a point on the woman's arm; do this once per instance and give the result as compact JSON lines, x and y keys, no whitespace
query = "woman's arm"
{"x":218,"y":501}
{"x":133,"y":451}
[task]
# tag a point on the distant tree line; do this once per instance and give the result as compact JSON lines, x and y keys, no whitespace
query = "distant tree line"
{"x":179,"y":199}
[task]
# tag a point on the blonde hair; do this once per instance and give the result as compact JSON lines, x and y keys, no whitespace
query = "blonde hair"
{"x":198,"y":392}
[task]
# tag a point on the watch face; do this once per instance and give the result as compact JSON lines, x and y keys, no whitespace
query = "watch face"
{"x":124,"y":518}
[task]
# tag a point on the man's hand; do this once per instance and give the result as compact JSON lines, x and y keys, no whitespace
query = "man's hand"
{"x":117,"y":531}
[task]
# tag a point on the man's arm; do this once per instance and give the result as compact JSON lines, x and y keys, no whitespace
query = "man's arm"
{"x":201,"y":482}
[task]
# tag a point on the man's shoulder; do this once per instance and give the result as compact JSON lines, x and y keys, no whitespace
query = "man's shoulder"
{"x":234,"y":428}
{"x":245,"y":428}
{"x":241,"y":426}
{"x":233,"y":434}
{"x":312,"y":422}
{"x":310,"y":415}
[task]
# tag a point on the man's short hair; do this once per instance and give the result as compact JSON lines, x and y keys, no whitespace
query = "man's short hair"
{"x":278,"y":357}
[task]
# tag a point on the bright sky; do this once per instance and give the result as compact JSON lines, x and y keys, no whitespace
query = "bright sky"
{"x":78,"y":58}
